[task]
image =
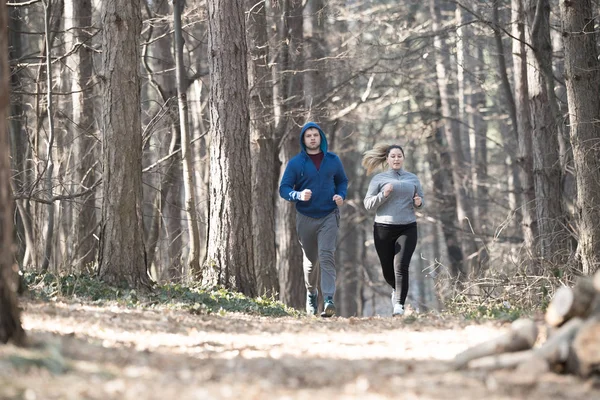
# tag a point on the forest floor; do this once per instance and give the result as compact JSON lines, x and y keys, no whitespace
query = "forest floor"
{"x":88,"y":351}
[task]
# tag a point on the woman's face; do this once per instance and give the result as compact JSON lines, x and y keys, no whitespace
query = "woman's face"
{"x":395,"y":159}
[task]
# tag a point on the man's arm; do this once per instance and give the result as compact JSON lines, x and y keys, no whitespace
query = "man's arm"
{"x":287,"y":185}
{"x":341,"y":181}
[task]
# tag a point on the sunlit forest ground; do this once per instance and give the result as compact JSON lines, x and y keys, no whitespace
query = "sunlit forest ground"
{"x":90,"y":341}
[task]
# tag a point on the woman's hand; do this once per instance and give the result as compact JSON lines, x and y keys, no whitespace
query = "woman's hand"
{"x":417,"y":200}
{"x":387,"y":189}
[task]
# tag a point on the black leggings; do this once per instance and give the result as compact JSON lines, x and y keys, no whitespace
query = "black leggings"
{"x":395,"y":245}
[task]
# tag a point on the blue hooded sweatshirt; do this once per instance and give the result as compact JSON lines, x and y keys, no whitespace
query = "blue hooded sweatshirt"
{"x":301,"y":173}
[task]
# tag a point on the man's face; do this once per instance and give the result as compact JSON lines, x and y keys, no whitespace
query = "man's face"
{"x":312,"y":139}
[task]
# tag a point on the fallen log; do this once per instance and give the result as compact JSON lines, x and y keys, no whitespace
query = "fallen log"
{"x":554,"y":351}
{"x":585,"y":351}
{"x":572,"y":302}
{"x":500,"y":361}
{"x":522,"y":336}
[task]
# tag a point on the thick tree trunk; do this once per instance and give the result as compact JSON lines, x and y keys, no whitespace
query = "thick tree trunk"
{"x":122,"y":254}
{"x":582,"y":76}
{"x":10,"y":322}
{"x":554,"y":239}
{"x":263,"y":151}
{"x":230,"y":259}
{"x":523,"y":127}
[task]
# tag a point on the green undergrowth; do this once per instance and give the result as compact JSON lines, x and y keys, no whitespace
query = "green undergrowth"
{"x":194,"y":299}
{"x":491,"y":310}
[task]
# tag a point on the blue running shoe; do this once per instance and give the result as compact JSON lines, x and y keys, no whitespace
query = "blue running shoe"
{"x":328,"y":308}
{"x":311,"y":303}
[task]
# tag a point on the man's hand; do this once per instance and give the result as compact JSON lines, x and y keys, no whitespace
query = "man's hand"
{"x":387,"y":189}
{"x":305,"y":195}
{"x":338,"y":200}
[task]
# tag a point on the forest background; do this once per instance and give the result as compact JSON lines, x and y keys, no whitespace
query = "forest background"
{"x":147,"y":140}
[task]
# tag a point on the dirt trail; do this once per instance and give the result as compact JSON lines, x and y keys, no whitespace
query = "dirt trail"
{"x":117,"y":353}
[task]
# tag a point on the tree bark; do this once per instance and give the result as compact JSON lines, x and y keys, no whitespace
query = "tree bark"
{"x":49,"y":172}
{"x":193,"y":260}
{"x":230,"y":259}
{"x":263,"y":151}
{"x":289,"y":252}
{"x":315,"y":83}
{"x":582,"y":76}
{"x":509,"y":134}
{"x":554,"y":238}
{"x":523,"y":126}
{"x":84,"y":144}
{"x":19,"y":146}
{"x":349,"y":238}
{"x":10,"y":321}
{"x":122,"y":254}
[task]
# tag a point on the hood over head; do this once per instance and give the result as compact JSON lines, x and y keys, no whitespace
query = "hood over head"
{"x":309,"y":125}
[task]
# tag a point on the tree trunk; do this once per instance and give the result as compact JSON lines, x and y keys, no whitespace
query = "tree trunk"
{"x":464,"y":71}
{"x":289,"y":252}
{"x":459,"y":173}
{"x":164,"y":235}
{"x":510,"y":134}
{"x":10,"y":322}
{"x":49,"y":172}
{"x":315,"y":83}
{"x":444,"y":200}
{"x":122,"y":254}
{"x":481,"y":217}
{"x":84,"y":149}
{"x":262,"y":150}
{"x":18,"y":137}
{"x":554,"y":238}
{"x":349,"y":238}
{"x":229,"y":258}
{"x":582,"y":76}
{"x":523,"y":127}
{"x":193,"y":260}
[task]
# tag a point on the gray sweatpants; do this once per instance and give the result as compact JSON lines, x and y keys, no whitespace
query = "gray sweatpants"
{"x":318,"y":237}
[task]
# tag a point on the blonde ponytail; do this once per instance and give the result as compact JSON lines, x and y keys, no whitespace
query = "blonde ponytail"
{"x":375,"y":158}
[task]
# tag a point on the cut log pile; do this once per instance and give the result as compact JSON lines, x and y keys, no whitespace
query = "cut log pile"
{"x":573,"y":341}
